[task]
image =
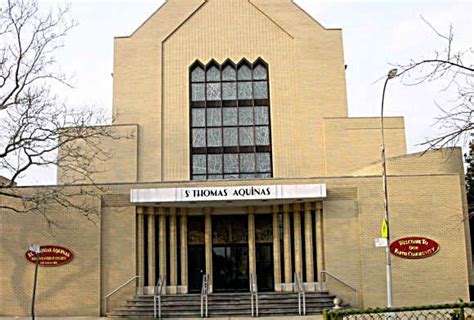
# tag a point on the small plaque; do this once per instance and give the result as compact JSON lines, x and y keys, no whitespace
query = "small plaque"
{"x":381,"y":242}
{"x":34,"y":248}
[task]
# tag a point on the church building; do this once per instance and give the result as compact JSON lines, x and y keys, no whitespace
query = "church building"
{"x":242,"y":166}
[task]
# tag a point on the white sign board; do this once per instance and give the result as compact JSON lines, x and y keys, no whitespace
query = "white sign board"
{"x":381,"y":242}
{"x":234,"y":193}
{"x":34,"y":247}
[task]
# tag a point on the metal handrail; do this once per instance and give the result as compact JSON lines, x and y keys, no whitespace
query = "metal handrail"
{"x":161,"y":283}
{"x":116,"y":290}
{"x":301,"y":294}
{"x":253,"y":294}
{"x":338,"y":279}
{"x":204,"y":293}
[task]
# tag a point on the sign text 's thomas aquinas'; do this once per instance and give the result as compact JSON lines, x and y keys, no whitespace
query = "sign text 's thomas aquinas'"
{"x":225,"y":192}
{"x":51,"y":256}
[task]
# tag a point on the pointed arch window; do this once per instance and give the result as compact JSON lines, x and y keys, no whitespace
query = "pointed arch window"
{"x":230,"y":121}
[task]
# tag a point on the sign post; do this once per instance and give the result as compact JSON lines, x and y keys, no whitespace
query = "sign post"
{"x":36,"y":248}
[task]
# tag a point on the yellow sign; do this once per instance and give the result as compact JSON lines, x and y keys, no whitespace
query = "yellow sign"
{"x":384,"y":229}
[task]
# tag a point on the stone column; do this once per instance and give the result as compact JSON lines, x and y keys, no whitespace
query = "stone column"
{"x":308,"y":241}
{"x":251,"y":235}
{"x":151,"y":248}
{"x":183,"y":224}
{"x":297,"y":240}
{"x":276,"y":250}
{"x":287,"y":246}
{"x":208,"y":245}
{"x":173,"y":251}
{"x":320,"y":260}
{"x":140,"y":247}
{"x":162,"y":240}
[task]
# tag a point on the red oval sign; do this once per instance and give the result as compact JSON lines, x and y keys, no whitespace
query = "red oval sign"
{"x":414,"y":248}
{"x":51,"y":256}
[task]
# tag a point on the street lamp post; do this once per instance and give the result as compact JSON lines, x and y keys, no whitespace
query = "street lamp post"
{"x":388,"y":263}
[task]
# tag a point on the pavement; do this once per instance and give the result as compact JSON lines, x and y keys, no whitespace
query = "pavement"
{"x":312,"y":317}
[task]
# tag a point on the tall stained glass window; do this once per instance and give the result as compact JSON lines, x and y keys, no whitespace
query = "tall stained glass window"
{"x":230,"y":121}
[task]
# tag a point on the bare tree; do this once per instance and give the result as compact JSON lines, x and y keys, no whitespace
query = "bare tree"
{"x":455,"y":70}
{"x":36,"y":128}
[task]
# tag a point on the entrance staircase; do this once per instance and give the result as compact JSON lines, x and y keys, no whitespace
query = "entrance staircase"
{"x":223,"y":305}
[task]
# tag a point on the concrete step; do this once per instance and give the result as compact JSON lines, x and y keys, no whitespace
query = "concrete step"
{"x":223,"y":304}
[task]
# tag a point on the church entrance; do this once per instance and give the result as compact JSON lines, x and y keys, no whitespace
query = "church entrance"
{"x":230,"y":258}
{"x":230,"y":268}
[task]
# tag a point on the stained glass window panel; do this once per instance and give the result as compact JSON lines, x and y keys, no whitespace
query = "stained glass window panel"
{"x":230,"y":137}
{"x":262,"y":136}
{"x":247,"y":162}
{"x":245,"y":116}
{"x":199,"y":119}
{"x":263,"y":162}
{"x":231,"y":163}
{"x":260,"y":90}
{"x":214,"y":163}
{"x":230,"y":116}
{"x":199,"y":164}
{"x":246,"y":136}
{"x":261,"y":116}
{"x":213,"y":92}
{"x":229,"y":91}
{"x":197,"y":75}
{"x":229,"y":74}
{"x":244,"y":73}
{"x":199,"y":138}
{"x":213,"y":74}
{"x":245,"y":90}
{"x":214,"y":117}
{"x":214,"y":137}
{"x":197,"y":93}
{"x":231,"y":176}
{"x":225,"y":136}
{"x":259,"y":72}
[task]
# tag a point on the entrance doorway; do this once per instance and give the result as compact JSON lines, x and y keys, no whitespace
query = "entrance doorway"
{"x":264,"y":251}
{"x":231,"y":272}
{"x":230,"y":260}
{"x":264,"y":256}
{"x":196,"y":253}
{"x":196,"y":267}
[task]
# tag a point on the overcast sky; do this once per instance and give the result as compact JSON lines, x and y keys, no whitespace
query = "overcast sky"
{"x":376,"y":33}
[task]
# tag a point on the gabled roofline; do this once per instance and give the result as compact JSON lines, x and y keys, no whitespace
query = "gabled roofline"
{"x":312,"y":18}
{"x":144,"y":22}
{"x":205,"y":1}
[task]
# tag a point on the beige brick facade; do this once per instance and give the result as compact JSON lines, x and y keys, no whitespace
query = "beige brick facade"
{"x":313,"y":142}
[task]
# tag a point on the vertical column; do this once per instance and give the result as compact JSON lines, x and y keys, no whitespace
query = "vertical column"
{"x":173,"y":251}
{"x":276,"y":250}
{"x":251,"y":235}
{"x":287,"y":245}
{"x":183,"y":223}
{"x":308,"y":241}
{"x":162,"y":240}
{"x":320,"y":237}
{"x":297,"y":240}
{"x":208,"y":244}
{"x":151,"y":246}
{"x":140,"y":247}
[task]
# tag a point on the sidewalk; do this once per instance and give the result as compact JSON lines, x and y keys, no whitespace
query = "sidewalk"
{"x":312,"y":317}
